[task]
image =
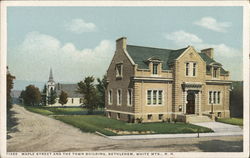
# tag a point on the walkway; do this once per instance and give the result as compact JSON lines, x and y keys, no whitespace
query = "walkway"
{"x":220,"y":129}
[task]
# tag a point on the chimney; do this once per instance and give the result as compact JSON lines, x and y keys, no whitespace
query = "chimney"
{"x":121,"y":43}
{"x":209,"y":52}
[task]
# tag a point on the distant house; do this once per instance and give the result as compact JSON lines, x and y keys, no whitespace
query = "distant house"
{"x":155,"y":84}
{"x":15,"y":95}
{"x":74,"y":98}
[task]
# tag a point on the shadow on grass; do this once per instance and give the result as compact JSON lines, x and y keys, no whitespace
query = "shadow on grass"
{"x":221,"y":146}
{"x":12,"y":122}
{"x":204,"y":146}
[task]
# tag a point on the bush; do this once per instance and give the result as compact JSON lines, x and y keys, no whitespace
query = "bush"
{"x":139,"y":120}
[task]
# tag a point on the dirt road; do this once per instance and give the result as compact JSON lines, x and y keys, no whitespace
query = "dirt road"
{"x":40,"y":133}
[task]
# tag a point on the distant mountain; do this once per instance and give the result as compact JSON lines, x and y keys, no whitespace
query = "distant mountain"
{"x":21,"y":84}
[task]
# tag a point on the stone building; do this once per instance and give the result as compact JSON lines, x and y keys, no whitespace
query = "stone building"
{"x":74,"y":98}
{"x":154,"y":84}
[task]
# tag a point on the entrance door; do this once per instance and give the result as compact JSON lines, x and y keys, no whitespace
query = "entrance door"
{"x":190,"y":108}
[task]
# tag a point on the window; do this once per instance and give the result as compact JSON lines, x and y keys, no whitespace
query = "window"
{"x":210,"y":97}
{"x":150,"y":117}
{"x":187,"y":69}
{"x":110,"y":99}
{"x":194,"y":69}
{"x":155,"y":69}
{"x":119,"y":70}
{"x":118,"y":116}
{"x":72,"y":100}
{"x":149,"y":97}
{"x":119,"y":97}
{"x":160,"y":116}
{"x":154,"y":97}
{"x":191,"y":69}
{"x":214,"y":97}
{"x":160,"y":97}
{"x":129,"y":101}
{"x":218,"y":97}
{"x":215,"y":72}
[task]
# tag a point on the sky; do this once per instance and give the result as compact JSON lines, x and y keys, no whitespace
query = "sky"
{"x":80,"y":41}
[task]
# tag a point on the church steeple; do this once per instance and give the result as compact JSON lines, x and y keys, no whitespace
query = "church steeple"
{"x":51,"y":76}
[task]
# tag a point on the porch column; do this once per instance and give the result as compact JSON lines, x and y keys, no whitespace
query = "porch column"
{"x":199,"y":102}
{"x":184,"y":101}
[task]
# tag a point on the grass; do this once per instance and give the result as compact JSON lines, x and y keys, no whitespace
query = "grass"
{"x":233,"y":121}
{"x":92,"y":123}
{"x":78,"y":117}
{"x":38,"y":110}
{"x":61,"y":110}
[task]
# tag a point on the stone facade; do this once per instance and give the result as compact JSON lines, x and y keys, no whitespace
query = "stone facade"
{"x":151,"y":84}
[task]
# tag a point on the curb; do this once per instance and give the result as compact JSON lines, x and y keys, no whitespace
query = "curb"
{"x":100,"y":134}
{"x":169,"y":136}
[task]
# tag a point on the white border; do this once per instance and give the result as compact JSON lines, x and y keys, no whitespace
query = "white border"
{"x":245,"y":4}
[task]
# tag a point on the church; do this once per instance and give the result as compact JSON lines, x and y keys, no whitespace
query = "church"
{"x":74,"y":98}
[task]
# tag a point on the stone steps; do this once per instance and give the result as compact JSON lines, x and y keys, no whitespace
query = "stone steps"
{"x":198,"y":119}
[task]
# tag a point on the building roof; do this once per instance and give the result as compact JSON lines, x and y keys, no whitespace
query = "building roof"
{"x":141,"y":54}
{"x":70,"y":89}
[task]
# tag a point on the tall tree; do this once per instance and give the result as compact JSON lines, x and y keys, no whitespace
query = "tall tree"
{"x":9,"y":80}
{"x":32,"y":96}
{"x":63,"y":98}
{"x":101,"y":87}
{"x":88,"y":89}
{"x":44,"y":95}
{"x":52,"y":97}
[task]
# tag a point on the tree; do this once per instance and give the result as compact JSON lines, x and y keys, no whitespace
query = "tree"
{"x":22,"y":96}
{"x":101,"y":87}
{"x":9,"y":80}
{"x":236,"y":99}
{"x":52,"y":97}
{"x":88,"y":89}
{"x":32,"y":96}
{"x":44,"y":95}
{"x":63,"y":98}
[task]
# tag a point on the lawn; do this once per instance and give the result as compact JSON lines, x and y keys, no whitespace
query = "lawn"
{"x":61,"y":110}
{"x":78,"y":117}
{"x":38,"y":110}
{"x":233,"y":121}
{"x":107,"y":126}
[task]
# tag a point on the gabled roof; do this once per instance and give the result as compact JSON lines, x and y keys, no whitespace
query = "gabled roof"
{"x":141,"y":54}
{"x":70,"y":89}
{"x":209,"y":61}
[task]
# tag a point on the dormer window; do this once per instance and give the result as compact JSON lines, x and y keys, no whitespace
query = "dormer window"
{"x":155,"y":69}
{"x":118,"y":70}
{"x":154,"y":64}
{"x":215,"y":72}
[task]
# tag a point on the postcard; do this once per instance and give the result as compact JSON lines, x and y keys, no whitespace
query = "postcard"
{"x":124,"y":79}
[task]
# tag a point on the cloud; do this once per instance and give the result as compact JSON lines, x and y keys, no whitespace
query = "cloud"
{"x":79,"y":26}
{"x":212,"y":24}
{"x":228,"y":56}
{"x":38,"y":52}
{"x":182,"y":37}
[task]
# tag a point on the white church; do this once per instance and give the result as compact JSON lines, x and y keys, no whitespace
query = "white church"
{"x":74,"y":98}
